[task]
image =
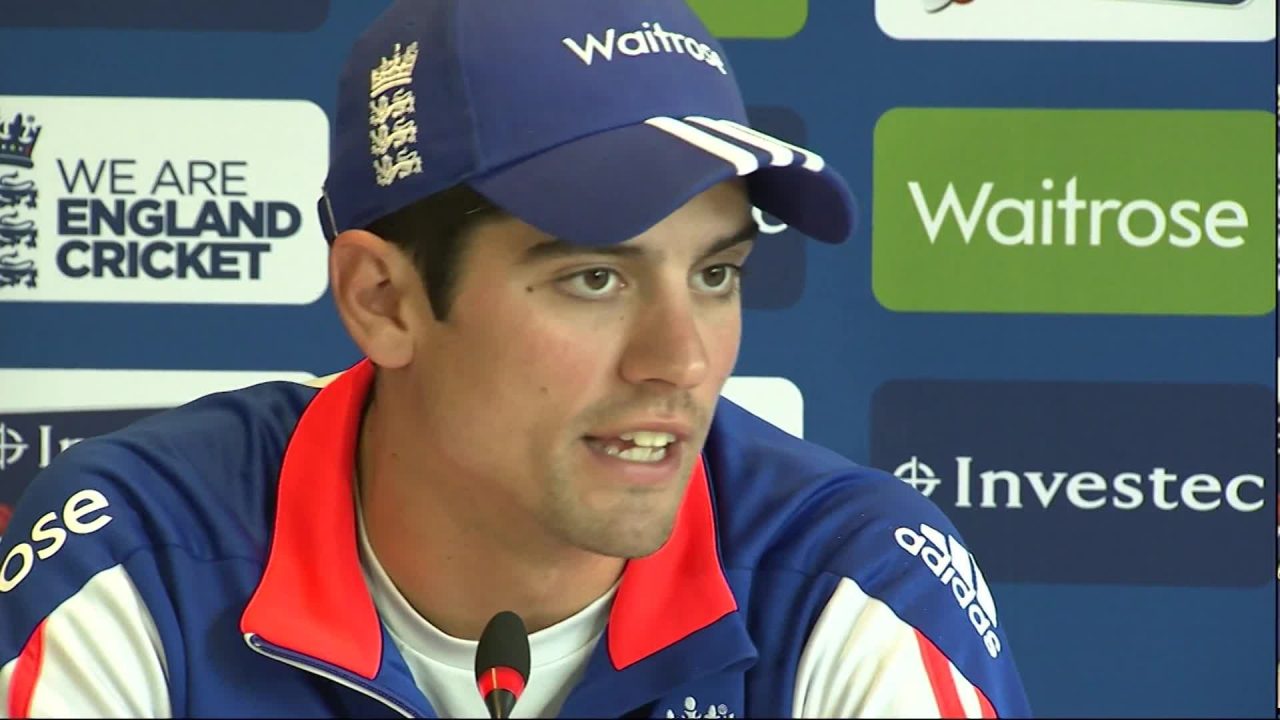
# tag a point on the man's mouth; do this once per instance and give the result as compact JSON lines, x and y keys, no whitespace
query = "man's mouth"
{"x":640,"y":446}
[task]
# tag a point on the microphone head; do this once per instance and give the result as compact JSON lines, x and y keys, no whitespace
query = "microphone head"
{"x":502,"y":663}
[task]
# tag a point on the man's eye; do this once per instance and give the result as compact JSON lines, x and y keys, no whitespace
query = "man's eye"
{"x":596,"y":280}
{"x":593,"y":283}
{"x":718,"y":279}
{"x":715,"y":276}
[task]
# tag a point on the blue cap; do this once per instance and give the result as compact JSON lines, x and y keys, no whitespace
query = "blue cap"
{"x":590,"y":120}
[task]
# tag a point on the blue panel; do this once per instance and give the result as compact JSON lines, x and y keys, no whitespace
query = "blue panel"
{"x":1175,"y":483}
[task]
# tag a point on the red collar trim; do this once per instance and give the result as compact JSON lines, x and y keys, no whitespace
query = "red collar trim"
{"x":313,"y":600}
{"x":678,"y":590}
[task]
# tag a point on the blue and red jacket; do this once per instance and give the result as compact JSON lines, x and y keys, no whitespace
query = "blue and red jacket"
{"x":204,"y":561}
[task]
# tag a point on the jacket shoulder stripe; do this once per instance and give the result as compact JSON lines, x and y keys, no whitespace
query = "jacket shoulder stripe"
{"x":26,"y":670}
{"x":967,"y":692}
{"x":938,"y":668}
{"x":969,"y":700}
{"x":862,"y":660}
{"x":97,"y":654}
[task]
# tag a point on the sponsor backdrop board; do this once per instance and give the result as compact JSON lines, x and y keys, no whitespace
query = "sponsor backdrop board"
{"x":1056,"y":318}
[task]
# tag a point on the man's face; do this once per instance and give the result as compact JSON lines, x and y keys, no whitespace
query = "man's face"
{"x":558,"y":365}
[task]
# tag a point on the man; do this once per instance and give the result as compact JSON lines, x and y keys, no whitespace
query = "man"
{"x":538,"y":215}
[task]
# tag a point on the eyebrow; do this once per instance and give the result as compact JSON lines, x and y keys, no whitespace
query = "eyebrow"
{"x":556,"y":248}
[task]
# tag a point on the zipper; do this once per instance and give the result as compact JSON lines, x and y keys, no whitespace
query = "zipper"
{"x":342,"y":677}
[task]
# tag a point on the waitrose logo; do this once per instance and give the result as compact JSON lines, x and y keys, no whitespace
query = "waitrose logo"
{"x":1141,"y":223}
{"x":1143,"y":212}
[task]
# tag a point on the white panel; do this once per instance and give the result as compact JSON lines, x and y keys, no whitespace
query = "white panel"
{"x":775,"y":399}
{"x":42,"y":390}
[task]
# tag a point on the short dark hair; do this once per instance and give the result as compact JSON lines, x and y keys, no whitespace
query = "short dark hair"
{"x":433,"y":231}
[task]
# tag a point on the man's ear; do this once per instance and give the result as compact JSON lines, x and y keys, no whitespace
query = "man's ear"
{"x":374,"y":287}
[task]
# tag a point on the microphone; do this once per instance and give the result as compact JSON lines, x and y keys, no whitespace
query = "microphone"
{"x":502,"y":663}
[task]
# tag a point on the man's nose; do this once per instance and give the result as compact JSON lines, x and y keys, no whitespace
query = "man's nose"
{"x":667,"y":345}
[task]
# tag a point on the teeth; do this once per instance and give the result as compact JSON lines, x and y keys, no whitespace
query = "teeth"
{"x":632,"y":454}
{"x":642,"y":454}
{"x":645,"y":439}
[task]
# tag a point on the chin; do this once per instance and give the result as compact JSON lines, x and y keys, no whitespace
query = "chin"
{"x":634,"y":539}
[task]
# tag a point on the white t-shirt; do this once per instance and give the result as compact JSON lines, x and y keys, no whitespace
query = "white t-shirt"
{"x":444,"y":666}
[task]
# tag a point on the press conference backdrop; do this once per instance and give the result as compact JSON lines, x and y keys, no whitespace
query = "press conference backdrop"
{"x":1056,"y":319}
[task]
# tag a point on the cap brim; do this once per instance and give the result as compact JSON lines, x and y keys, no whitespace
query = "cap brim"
{"x":612,"y":186}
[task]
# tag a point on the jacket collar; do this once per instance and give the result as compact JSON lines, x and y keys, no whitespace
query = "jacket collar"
{"x":312,"y":598}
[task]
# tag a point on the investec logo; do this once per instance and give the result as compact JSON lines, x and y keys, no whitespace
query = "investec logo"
{"x":1148,"y":212}
{"x":161,"y":200}
{"x":647,"y":39}
{"x":1017,"y":489}
{"x":13,"y":446}
{"x":956,"y":568}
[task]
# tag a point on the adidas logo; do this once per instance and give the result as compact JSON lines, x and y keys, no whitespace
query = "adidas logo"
{"x":648,"y":38}
{"x":947,"y":559}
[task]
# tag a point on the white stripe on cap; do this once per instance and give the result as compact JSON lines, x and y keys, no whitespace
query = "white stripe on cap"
{"x":812,"y":160}
{"x":781,"y":155}
{"x":744,"y":161}
{"x":333,"y":230}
